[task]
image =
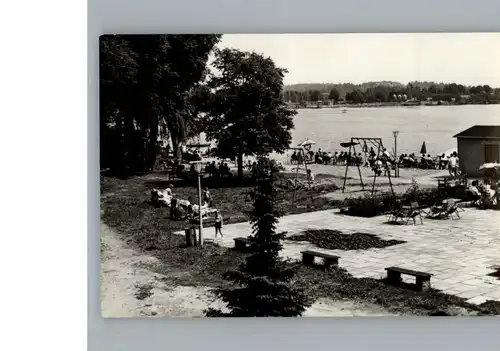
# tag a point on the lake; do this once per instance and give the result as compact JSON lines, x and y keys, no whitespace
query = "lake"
{"x":436,"y":125}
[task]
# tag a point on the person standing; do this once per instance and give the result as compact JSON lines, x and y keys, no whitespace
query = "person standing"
{"x":452,"y":165}
{"x":218,"y":224}
{"x":173,"y":208}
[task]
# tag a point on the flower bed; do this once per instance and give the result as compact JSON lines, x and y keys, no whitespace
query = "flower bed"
{"x":336,"y":240}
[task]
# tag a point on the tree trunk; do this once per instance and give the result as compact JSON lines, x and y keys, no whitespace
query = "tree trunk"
{"x":176,"y":149}
{"x":240,"y":166}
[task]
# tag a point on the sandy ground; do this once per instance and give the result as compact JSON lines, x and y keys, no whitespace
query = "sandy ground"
{"x":327,"y":173}
{"x":123,"y":280}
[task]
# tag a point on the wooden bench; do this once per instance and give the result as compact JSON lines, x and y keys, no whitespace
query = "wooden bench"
{"x":423,"y":279}
{"x":241,"y":244}
{"x":328,"y":260}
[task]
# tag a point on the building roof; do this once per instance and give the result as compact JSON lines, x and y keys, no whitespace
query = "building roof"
{"x":480,"y":132}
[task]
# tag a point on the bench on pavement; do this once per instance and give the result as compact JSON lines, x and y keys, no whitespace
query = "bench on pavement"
{"x":423,"y":279}
{"x":241,"y":244}
{"x":308,"y":258}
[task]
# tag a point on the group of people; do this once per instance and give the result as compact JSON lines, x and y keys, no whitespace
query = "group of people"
{"x":180,"y":208}
{"x":327,"y":158}
{"x":371,"y":159}
{"x":483,"y":191}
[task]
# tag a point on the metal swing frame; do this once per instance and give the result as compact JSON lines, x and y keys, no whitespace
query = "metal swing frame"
{"x":302,"y":156}
{"x":377,"y":142}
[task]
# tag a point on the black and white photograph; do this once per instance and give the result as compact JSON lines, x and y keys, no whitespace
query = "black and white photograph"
{"x":299,"y":175}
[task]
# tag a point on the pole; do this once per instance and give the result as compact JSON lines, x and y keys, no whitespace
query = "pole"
{"x":396,"y":155}
{"x":396,"y":152}
{"x":199,"y":210}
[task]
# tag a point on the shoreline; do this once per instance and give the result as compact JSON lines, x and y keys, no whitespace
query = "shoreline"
{"x":384,"y":105}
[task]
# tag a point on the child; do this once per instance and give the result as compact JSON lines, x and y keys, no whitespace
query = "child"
{"x":218,"y":224}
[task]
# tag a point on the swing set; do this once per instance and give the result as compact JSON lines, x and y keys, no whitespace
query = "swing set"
{"x":374,"y":143}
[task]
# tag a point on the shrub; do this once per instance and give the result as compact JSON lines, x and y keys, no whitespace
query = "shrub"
{"x":375,"y":205}
{"x":370,"y":205}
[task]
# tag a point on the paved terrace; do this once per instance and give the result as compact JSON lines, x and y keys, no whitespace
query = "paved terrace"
{"x":460,"y":253}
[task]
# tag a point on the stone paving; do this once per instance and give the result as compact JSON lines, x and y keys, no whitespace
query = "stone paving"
{"x":459,"y":253}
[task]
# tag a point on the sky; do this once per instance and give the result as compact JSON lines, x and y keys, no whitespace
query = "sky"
{"x":469,"y":59}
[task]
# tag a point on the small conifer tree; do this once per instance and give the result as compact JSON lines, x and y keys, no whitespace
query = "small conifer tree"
{"x":263,"y":288}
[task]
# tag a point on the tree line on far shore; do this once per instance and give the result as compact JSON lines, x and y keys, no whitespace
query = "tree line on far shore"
{"x":380,"y":92}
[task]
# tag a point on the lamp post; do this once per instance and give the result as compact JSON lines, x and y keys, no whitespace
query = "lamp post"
{"x":197,"y":169}
{"x":395,"y":133}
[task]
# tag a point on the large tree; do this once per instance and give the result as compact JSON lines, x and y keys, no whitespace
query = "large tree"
{"x":264,"y":280}
{"x":247,"y":115}
{"x":147,"y":84}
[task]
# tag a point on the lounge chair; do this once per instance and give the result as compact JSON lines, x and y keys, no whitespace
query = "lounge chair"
{"x":452,"y":209}
{"x":445,"y":211}
{"x":414,"y":212}
{"x":400,"y":215}
{"x":436,"y":211}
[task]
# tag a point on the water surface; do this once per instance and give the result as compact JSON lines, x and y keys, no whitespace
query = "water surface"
{"x":436,"y":125}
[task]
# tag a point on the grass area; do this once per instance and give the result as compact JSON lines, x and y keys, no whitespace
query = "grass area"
{"x":335,"y":240}
{"x":126,"y":208}
{"x":204,"y":266}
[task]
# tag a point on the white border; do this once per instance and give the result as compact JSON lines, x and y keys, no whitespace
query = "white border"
{"x":43,"y":177}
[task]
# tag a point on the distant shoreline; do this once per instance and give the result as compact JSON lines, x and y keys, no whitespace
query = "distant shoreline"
{"x":383,"y":104}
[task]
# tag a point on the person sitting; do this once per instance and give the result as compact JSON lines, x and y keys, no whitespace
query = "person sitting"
{"x":402,"y":159}
{"x":207,"y":197}
{"x":310,"y":155}
{"x":474,"y":192}
{"x":325,"y":157}
{"x":335,"y":158}
{"x":377,"y":167}
{"x":340,"y":158}
{"x":372,"y":152}
{"x":386,"y":154}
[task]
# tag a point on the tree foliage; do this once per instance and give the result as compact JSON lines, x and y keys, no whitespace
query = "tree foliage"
{"x":147,"y":89}
{"x":264,"y":280}
{"x":247,"y":114}
{"x":334,"y":94}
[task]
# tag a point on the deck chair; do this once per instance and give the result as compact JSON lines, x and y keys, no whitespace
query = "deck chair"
{"x":452,"y":210}
{"x":437,"y":211}
{"x":398,"y":215}
{"x":415,"y":212}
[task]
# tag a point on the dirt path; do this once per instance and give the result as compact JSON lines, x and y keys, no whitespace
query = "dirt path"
{"x":128,"y":290}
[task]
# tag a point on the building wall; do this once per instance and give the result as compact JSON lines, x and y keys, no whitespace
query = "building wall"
{"x":471,"y":155}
